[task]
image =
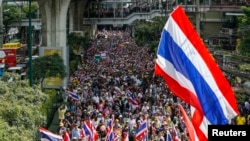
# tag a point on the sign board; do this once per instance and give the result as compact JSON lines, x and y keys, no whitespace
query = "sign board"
{"x":97,"y":57}
{"x":51,"y":82}
{"x":12,"y":45}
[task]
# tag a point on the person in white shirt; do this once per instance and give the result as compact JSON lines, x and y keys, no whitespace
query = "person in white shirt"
{"x":145,"y":107}
{"x":96,"y":99}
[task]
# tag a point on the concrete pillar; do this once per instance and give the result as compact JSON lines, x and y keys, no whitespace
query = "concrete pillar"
{"x":54,"y":19}
{"x":54,"y":16}
{"x":76,"y":15}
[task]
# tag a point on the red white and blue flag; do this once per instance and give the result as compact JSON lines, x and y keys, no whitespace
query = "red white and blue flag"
{"x":125,"y":136}
{"x":66,"y":136}
{"x":192,"y":74}
{"x":88,"y":130}
{"x":132,"y":98}
{"x":73,"y":96}
{"x":46,"y":135}
{"x":109,"y":129}
{"x":142,"y":131}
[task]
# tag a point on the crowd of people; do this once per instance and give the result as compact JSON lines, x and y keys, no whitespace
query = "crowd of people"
{"x":103,"y":86}
{"x":116,"y":81}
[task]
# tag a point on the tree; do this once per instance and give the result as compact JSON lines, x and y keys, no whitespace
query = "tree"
{"x":149,"y":32}
{"x":11,"y":14}
{"x":20,"y":108}
{"x":48,"y":66}
{"x":243,"y":32}
{"x":77,"y":45}
{"x":34,"y":9}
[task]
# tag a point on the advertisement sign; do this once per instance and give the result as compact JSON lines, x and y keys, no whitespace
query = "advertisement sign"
{"x":51,"y":82}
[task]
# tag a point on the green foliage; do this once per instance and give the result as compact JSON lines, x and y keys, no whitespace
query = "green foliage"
{"x":48,"y":66}
{"x":11,"y":14}
{"x":243,"y":32}
{"x":149,"y":32}
{"x":49,"y":106}
{"x":52,"y":98}
{"x":77,"y":45}
{"x":34,"y":9}
{"x":20,"y":108}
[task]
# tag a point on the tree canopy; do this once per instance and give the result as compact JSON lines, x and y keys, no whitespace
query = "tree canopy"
{"x":20,"y":108}
{"x":149,"y":32}
{"x":48,"y":66}
{"x":243,"y":32}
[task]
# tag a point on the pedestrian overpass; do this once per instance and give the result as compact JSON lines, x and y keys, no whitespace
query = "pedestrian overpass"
{"x":123,"y":20}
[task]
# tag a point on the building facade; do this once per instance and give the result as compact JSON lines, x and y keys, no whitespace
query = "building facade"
{"x":214,"y":19}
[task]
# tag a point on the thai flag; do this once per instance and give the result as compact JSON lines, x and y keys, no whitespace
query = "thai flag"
{"x":190,"y":128}
{"x":116,"y":137}
{"x":109,"y":129}
{"x":110,"y":136}
{"x":192,"y":74}
{"x":132,"y":98}
{"x":72,"y":95}
{"x":142,"y":131}
{"x":46,"y":135}
{"x":110,"y":124}
{"x":88,"y":129}
{"x":66,"y":137}
{"x":125,"y":136}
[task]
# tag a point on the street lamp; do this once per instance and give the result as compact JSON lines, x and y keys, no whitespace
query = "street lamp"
{"x":30,"y":46}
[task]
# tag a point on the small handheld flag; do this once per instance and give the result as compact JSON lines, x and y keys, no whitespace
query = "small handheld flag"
{"x":46,"y":135}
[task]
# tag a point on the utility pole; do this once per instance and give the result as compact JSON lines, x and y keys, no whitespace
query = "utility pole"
{"x":30,"y":46}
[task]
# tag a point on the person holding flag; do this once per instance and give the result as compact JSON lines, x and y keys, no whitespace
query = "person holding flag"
{"x":142,"y":131}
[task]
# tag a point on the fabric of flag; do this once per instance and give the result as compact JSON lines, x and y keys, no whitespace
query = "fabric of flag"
{"x":132,"y":98}
{"x":110,"y":124}
{"x":192,"y":74}
{"x":169,"y":137}
{"x":109,"y":129}
{"x":125,"y":136}
{"x":142,"y":131}
{"x":46,"y":135}
{"x":66,"y":136}
{"x":87,"y":129}
{"x":190,"y":128}
{"x":72,"y":95}
{"x":116,"y":137}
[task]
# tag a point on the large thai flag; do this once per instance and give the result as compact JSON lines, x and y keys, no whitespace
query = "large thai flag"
{"x":46,"y":135}
{"x":72,"y":95}
{"x":192,"y":74}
